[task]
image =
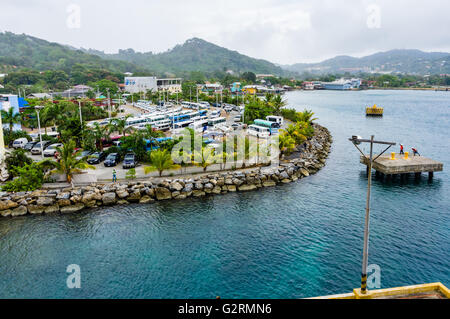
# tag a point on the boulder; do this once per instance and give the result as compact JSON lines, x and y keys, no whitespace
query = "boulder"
{"x":269,"y":183}
{"x":176,"y":186}
{"x":19,"y":211}
{"x":51,"y":209}
{"x":198,"y":193}
{"x":64,"y":202}
{"x":45,"y":201}
{"x":36,"y":209}
{"x":5,"y":213}
{"x":72,"y":208}
{"x":134,"y":197}
{"x":146,"y":200}
{"x":109,"y":198}
{"x":163,"y":193}
{"x":122,"y":193}
{"x":247,"y":187}
{"x":7,"y":204}
{"x":304,"y":172}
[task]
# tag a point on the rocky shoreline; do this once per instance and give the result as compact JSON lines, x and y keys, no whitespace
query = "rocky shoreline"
{"x":69,"y":200}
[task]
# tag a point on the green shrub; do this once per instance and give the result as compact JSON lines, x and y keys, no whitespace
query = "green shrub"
{"x":17,"y":158}
{"x":10,"y":136}
{"x":29,"y":177}
{"x":131,"y":174}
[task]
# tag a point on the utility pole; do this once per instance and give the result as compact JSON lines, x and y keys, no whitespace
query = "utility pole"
{"x":38,"y":108}
{"x":356,"y":140}
{"x":109,"y":103}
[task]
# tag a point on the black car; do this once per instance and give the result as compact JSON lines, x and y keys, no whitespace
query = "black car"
{"x":29,"y":146}
{"x":129,"y":161}
{"x":96,"y":158}
{"x":112,"y":160}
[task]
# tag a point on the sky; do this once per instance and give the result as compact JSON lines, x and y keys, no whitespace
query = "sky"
{"x":281,"y":31}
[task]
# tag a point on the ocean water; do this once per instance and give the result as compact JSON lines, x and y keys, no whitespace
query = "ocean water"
{"x":298,"y":240}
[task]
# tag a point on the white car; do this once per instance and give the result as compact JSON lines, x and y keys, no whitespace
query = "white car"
{"x":51,"y":150}
{"x":20,"y":142}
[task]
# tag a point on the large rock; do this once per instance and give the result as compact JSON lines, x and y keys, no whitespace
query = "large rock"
{"x":109,"y":198}
{"x":72,"y":208}
{"x":176,"y":186}
{"x":269,"y":183}
{"x":51,"y":209}
{"x":63,"y":195}
{"x":146,"y":200}
{"x":64,"y":202}
{"x":134,"y":197}
{"x":45,"y":201}
{"x":122,"y":193}
{"x":36,"y":209}
{"x":7,"y":204}
{"x":304,"y":172}
{"x":198,"y":193}
{"x":163,"y":193}
{"x":19,"y":211}
{"x":6,"y":212}
{"x":247,"y":187}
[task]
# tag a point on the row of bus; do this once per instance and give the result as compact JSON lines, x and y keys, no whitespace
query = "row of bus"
{"x":266,"y":128}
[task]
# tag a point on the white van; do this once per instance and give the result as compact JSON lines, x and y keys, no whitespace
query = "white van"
{"x":20,"y":142}
{"x":275,"y":119}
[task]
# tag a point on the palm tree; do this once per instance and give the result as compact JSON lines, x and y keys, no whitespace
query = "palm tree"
{"x":11,"y":118}
{"x":161,"y":160}
{"x":278,"y":103}
{"x":204,"y":158}
{"x":286,"y":144}
{"x":99,"y":133}
{"x":68,"y":164}
{"x":120,"y":125}
{"x":306,"y":116}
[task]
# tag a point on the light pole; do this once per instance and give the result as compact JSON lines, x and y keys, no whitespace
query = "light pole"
{"x":38,"y":108}
{"x":109,"y":103}
{"x":357,"y":140}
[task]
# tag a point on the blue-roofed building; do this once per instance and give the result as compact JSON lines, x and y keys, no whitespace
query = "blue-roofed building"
{"x":342,"y":84}
{"x":8,"y":101}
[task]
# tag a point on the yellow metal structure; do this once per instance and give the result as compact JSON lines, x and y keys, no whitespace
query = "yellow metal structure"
{"x":374,"y":111}
{"x":406,"y":155}
{"x":393,"y":156}
{"x":410,"y":292}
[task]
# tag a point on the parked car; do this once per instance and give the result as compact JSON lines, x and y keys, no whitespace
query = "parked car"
{"x":29,"y":146}
{"x":36,"y":150}
{"x":20,"y":142}
{"x":237,"y":118}
{"x":96,"y":158}
{"x":129,"y":161}
{"x":83,"y":154}
{"x":112,"y":160}
{"x":237,"y":126}
{"x":228,"y":109}
{"x":51,"y":150}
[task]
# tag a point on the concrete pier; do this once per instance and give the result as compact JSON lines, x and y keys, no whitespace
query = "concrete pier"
{"x":385,"y":165}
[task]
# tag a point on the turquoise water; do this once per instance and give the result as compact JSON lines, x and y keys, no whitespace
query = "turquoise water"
{"x":297,"y":240}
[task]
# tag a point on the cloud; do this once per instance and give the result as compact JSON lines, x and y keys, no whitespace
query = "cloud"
{"x":282,"y":31}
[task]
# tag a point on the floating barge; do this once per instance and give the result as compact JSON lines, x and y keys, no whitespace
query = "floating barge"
{"x":396,"y":164}
{"x":374,"y":111}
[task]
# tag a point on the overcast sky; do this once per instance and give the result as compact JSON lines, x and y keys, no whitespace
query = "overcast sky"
{"x":282,"y":31}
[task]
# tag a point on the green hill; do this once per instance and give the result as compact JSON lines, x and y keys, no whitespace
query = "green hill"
{"x":195,"y":55}
{"x":395,"y":61}
{"x":24,"y":51}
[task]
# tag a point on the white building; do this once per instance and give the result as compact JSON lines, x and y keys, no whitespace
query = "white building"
{"x":172,"y":85}
{"x":144,"y":84}
{"x":140,"y":84}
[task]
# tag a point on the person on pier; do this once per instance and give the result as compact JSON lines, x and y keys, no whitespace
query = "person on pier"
{"x":402,"y":150}
{"x":415,"y":152}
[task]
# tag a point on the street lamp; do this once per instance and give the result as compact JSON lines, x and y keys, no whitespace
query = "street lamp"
{"x":38,"y":108}
{"x":357,"y":140}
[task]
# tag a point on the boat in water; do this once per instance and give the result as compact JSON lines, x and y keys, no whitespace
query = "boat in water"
{"x":374,"y":111}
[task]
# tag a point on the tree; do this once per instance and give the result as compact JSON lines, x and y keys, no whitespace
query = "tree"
{"x":278,"y":103}
{"x":17,"y":158}
{"x":11,"y":118}
{"x":204,"y":157}
{"x":120,"y":125}
{"x":29,"y":178}
{"x":286,"y":144}
{"x":161,"y":161}
{"x":68,"y":164}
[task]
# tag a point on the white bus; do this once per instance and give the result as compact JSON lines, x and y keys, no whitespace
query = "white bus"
{"x":259,"y":131}
{"x":220,"y":121}
{"x":276,"y":119}
{"x":199,"y":125}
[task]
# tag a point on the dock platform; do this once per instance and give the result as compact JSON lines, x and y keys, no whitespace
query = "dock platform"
{"x":386,"y":166}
